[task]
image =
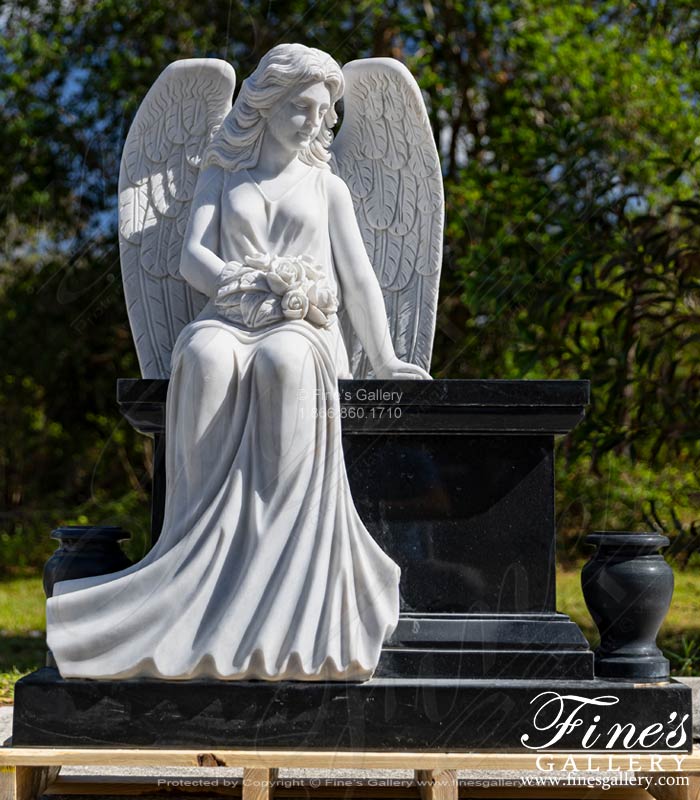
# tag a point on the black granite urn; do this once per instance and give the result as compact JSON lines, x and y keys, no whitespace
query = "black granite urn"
{"x":84,"y":551}
{"x":627,"y":586}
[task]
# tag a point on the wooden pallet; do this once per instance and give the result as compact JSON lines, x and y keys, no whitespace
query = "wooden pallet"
{"x":28,"y":772}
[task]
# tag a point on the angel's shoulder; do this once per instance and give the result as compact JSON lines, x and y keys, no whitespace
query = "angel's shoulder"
{"x":212,"y":172}
{"x":210,"y":182}
{"x":336,"y":188}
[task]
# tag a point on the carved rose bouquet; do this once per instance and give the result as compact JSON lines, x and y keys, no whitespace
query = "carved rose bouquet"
{"x":268,"y":288}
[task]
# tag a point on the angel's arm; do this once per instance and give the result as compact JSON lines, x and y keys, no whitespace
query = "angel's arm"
{"x":362,"y":295}
{"x":200,"y":264}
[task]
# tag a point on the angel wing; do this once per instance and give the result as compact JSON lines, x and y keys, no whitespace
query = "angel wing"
{"x":158,"y":173}
{"x":386,"y":154}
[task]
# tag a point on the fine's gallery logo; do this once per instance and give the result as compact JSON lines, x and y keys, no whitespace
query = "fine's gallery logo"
{"x":558,"y":717}
{"x":372,"y":396}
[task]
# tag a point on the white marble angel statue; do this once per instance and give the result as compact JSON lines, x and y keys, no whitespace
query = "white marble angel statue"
{"x":239,"y":247}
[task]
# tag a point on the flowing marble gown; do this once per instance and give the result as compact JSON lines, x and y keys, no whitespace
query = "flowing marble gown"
{"x":264,"y":568}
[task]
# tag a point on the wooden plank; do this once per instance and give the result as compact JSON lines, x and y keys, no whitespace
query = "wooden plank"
{"x":137,"y":785}
{"x":259,"y":784}
{"x":669,"y":787}
{"x":158,"y":786}
{"x":31,"y":781}
{"x":25,"y":783}
{"x":270,"y":759}
{"x":7,"y":782}
{"x":435,"y":784}
{"x":112,"y":787}
{"x":498,"y":792}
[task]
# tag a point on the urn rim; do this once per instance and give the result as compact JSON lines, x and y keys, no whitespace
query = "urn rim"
{"x":628,"y":539}
{"x":112,"y":533}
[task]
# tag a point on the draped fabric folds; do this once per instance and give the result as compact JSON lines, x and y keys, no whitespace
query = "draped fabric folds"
{"x":263,"y":568}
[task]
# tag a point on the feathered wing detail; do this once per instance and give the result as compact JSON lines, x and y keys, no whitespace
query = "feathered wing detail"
{"x":159,"y":169}
{"x":386,"y":155}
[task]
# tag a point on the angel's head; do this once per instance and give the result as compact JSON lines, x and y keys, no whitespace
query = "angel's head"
{"x":291,"y":94}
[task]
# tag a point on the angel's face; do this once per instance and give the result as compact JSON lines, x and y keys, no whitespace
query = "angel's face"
{"x":298,"y":119}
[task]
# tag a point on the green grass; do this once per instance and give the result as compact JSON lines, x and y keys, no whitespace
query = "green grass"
{"x":7,"y":685}
{"x":22,"y":631}
{"x":679,"y":637}
{"x":22,"y":605}
{"x":23,"y":626}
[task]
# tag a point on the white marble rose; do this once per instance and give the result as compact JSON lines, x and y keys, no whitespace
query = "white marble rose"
{"x":268,"y":288}
{"x":285,"y":275}
{"x":295,"y":303}
{"x":323,"y":304}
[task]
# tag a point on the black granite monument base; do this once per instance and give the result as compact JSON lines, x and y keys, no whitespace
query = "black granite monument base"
{"x":455,"y":480}
{"x":382,"y":714}
{"x":525,"y":646}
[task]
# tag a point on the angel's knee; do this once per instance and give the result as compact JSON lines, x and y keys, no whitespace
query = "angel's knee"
{"x":209,"y":357}
{"x":282,"y":361}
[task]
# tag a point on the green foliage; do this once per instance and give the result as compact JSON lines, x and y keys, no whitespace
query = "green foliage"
{"x":619,"y":493}
{"x":8,"y":678}
{"x":570,"y":141}
{"x":679,"y":637}
{"x":64,"y":451}
{"x":684,"y":656}
{"x":573,"y":239}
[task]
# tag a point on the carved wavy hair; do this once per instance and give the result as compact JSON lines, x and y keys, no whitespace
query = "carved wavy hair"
{"x":236,"y":144}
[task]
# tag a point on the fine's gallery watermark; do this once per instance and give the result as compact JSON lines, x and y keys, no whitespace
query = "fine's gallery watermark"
{"x":565,"y":720}
{"x":604,"y":781}
{"x":384,"y":396}
{"x":370,"y":404}
{"x":586,"y":763}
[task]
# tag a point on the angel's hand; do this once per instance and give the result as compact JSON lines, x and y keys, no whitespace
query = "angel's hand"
{"x":399,"y":370}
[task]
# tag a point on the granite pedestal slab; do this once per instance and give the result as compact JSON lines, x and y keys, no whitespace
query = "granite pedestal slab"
{"x":455,"y":480}
{"x":381,"y":714}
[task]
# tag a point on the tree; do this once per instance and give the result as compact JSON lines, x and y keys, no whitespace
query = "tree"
{"x":569,"y":137}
